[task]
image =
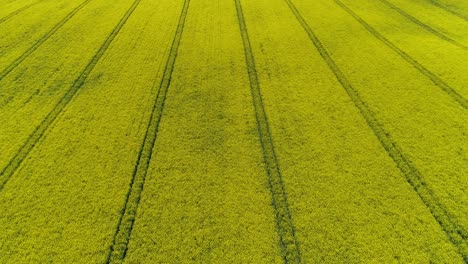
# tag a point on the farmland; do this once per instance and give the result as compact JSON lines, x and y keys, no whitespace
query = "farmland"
{"x":233,"y":131}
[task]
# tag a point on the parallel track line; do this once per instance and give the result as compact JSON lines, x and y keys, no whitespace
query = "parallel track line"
{"x":456,"y":234}
{"x":40,"y":41}
{"x":423,"y":25}
{"x":453,"y":12}
{"x":436,"y":80}
{"x":284,"y":222}
{"x":121,"y":238}
{"x":39,"y":132}
{"x":18,"y":11}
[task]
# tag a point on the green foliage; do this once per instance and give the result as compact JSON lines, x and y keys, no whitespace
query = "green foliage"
{"x":325,"y":137}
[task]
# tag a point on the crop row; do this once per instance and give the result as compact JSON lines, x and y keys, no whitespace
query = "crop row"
{"x":309,"y":111}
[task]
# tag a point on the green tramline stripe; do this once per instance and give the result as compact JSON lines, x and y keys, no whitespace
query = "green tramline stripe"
{"x":284,"y":222}
{"x":39,"y":132}
{"x":423,"y":25}
{"x":18,"y":11}
{"x":436,"y":80}
{"x":121,"y":238}
{"x":455,"y":232}
{"x":40,"y":41}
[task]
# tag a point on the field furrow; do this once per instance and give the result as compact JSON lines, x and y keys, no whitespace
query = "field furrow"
{"x":206,"y":197}
{"x":330,"y":121}
{"x":116,"y":103}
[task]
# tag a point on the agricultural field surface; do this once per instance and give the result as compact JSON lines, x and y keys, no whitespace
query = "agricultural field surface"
{"x":233,"y":131}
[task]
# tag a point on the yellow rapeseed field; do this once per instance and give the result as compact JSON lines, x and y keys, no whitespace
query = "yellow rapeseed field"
{"x":233,"y":131}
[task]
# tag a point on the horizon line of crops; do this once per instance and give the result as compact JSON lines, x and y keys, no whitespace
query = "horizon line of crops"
{"x":39,"y":132}
{"x":14,"y":13}
{"x":436,"y":80}
{"x":453,"y":12}
{"x":118,"y":249}
{"x":423,"y":25}
{"x":284,"y":223}
{"x":43,"y":39}
{"x":456,"y":234}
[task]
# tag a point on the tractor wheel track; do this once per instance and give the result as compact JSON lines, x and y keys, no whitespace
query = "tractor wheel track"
{"x":456,"y":234}
{"x":423,"y":25}
{"x":40,"y":131}
{"x":436,"y":80}
{"x":118,"y":249}
{"x":40,"y":41}
{"x":14,"y":13}
{"x":453,"y":12}
{"x":284,"y":223}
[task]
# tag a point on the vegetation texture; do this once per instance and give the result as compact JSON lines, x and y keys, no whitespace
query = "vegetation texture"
{"x":233,"y":131}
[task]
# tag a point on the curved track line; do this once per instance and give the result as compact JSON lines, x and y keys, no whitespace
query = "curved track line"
{"x":453,"y":12}
{"x":421,"y":24}
{"x":436,"y":80}
{"x":119,"y":246}
{"x":456,"y":234}
{"x":40,"y":41}
{"x":39,"y":132}
{"x":18,"y":11}
{"x":284,"y":222}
